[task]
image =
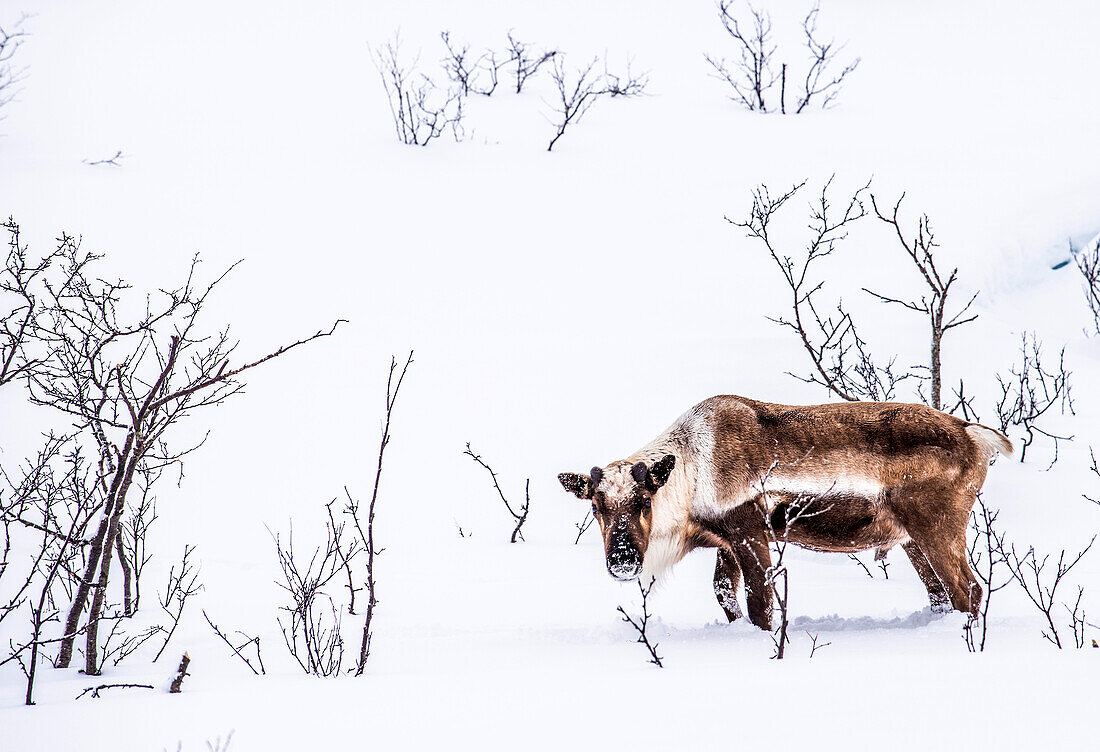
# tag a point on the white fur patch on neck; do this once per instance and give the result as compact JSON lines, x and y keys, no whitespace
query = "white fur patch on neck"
{"x":661,"y":555}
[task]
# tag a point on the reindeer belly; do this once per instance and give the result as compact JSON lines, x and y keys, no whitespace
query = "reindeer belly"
{"x":834,"y":522}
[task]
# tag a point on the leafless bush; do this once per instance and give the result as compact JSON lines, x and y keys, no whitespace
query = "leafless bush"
{"x":989,"y":561}
{"x":1031,"y":392}
{"x":239,"y":650}
{"x":842,"y":361}
{"x":1041,"y":583}
{"x":10,"y":75}
{"x":577,"y":95}
{"x":469,"y":73}
{"x":366,"y":532}
{"x":182,"y":584}
{"x":312,"y":632}
{"x":50,"y":506}
{"x":421,"y":110}
{"x":921,"y":250}
{"x":1087,"y":260}
{"x":752,"y":75}
{"x":641,"y":624}
{"x":527,"y":61}
{"x":520,"y":515}
{"x":124,"y":379}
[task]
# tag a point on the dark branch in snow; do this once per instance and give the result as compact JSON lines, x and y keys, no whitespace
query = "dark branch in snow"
{"x":520,"y":514}
{"x":114,"y":161}
{"x":641,"y":624}
{"x":96,"y":690}
{"x":237,"y":649}
{"x":366,"y":537}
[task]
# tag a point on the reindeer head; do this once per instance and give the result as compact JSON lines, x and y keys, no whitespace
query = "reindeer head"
{"x":622,"y":502}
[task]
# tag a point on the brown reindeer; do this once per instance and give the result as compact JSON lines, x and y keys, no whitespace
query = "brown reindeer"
{"x":735,"y":474}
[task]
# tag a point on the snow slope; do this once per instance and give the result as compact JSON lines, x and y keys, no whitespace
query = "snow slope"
{"x":564,"y":308}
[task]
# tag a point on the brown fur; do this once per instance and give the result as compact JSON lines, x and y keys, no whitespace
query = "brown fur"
{"x":865,"y":475}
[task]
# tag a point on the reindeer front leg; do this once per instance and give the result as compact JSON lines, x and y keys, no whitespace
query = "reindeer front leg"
{"x":754,"y":558}
{"x":727,"y":579}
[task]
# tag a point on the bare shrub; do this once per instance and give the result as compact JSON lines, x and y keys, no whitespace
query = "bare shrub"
{"x":1087,"y":260}
{"x":921,"y":250}
{"x":988,"y":559}
{"x":641,"y":624}
{"x":519,"y":514}
{"x":577,"y":94}
{"x":11,"y":39}
{"x":526,"y":60}
{"x":421,"y":110}
{"x":50,"y":506}
{"x":125,"y":379}
{"x":754,"y":73}
{"x":1031,"y":392}
{"x":842,"y":361}
{"x":472,"y":75}
{"x":312,"y":632}
{"x":1040,"y":583}
{"x":182,"y":584}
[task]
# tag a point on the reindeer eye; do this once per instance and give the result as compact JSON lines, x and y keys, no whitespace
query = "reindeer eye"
{"x":647,"y":504}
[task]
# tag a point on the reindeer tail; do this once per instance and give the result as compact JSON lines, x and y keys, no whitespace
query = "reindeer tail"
{"x":990,"y":440}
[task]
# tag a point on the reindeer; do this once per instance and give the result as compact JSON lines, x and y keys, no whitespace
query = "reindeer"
{"x":736,"y":474}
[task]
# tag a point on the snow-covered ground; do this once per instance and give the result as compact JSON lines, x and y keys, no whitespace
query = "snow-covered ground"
{"x":564,"y":307}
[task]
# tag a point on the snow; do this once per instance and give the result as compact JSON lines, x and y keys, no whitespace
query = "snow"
{"x":564,"y":308}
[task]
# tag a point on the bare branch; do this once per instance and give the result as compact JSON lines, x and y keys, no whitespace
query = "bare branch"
{"x":520,"y":515}
{"x":642,"y":623}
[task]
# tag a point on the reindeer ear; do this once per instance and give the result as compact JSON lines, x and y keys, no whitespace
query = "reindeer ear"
{"x":661,"y":469}
{"x":579,"y":485}
{"x":640,"y":473}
